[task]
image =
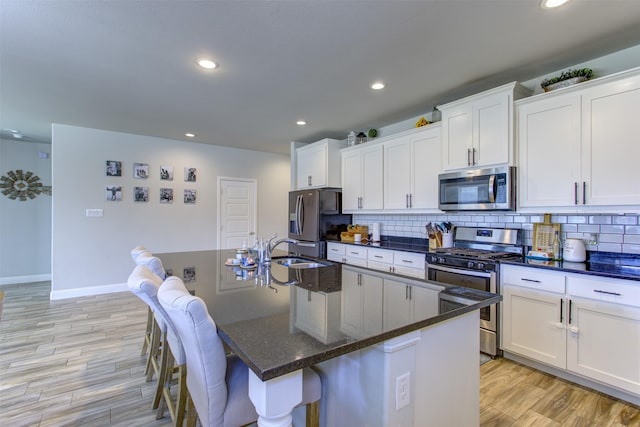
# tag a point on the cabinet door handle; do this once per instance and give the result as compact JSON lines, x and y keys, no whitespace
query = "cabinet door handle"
{"x":584,"y":193}
{"x":524,"y":279}
{"x":607,"y":292}
{"x":473,"y":156}
{"x":468,"y":156}
{"x":410,"y":200}
{"x":406,"y":200}
{"x":561,"y":310}
{"x":309,"y":179}
{"x":575,"y":193}
{"x":570,"y":309}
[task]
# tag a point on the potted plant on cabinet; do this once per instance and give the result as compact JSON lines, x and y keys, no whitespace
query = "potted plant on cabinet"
{"x":566,"y":78}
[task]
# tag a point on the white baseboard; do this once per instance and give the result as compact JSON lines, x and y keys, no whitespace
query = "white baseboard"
{"x":88,"y":291}
{"x":14,"y":280}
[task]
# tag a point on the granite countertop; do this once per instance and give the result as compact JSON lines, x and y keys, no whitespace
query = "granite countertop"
{"x":605,"y":264}
{"x":278,"y":329}
{"x":407,"y":244}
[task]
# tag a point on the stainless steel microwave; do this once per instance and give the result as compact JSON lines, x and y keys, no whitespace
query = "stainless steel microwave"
{"x":491,"y":189}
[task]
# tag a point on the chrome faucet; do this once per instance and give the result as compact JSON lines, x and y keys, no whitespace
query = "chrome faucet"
{"x":269,"y":247}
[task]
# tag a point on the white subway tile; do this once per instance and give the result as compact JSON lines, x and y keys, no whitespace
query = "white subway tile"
{"x":569,"y":228}
{"x":613,"y":229}
{"x":632,"y":238}
{"x":588,"y":228}
{"x":577,"y":219}
{"x":626,"y":219}
{"x":600,"y":219}
{"x":632,"y":229}
{"x":610,"y":247}
{"x":560,"y":219}
{"x":610,"y":238}
{"x":631,"y":249}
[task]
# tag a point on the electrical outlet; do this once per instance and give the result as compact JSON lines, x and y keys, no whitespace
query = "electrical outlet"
{"x":403,"y":390}
{"x":93,"y":212}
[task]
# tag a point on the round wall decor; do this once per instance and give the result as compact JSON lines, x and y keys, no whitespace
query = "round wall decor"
{"x":22,"y":185}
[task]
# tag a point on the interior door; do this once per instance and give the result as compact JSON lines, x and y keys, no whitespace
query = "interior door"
{"x":237,"y":212}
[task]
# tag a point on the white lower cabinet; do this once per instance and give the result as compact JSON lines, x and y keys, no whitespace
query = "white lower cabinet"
{"x":410,"y":264}
{"x":405,"y":303}
{"x":591,"y":328}
{"x":317,"y":314}
{"x":361,"y":303}
{"x":534,"y":325}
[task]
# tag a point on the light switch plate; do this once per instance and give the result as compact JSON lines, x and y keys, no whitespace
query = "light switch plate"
{"x":94,"y":212}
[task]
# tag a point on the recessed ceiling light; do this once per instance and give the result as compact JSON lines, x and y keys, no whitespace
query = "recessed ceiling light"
{"x":551,"y":4}
{"x":301,"y":123}
{"x":190,"y":135}
{"x":207,"y":63}
{"x":377,"y":85}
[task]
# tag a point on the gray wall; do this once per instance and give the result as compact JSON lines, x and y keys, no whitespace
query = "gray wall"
{"x":25,"y":226}
{"x":91,"y":254}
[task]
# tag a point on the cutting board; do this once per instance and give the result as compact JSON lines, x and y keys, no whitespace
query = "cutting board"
{"x":543,"y":234}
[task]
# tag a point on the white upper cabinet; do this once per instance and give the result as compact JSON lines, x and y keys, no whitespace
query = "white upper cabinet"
{"x":549,"y":151}
{"x":411,"y":168}
{"x":610,"y":146}
{"x":318,"y":164}
{"x":477,"y":131}
{"x":362,"y":169}
{"x":578,"y":147}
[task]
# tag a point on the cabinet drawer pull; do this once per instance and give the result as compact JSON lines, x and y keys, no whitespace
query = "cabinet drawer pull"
{"x":607,"y":292}
{"x":530,"y":280}
{"x":354,"y":253}
{"x":407,"y":261}
{"x":378,"y":256}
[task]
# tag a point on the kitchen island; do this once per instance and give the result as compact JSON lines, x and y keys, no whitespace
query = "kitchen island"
{"x":391,"y":350}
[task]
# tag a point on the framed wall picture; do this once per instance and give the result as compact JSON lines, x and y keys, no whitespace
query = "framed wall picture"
{"x":140,"y":194}
{"x":189,"y":274}
{"x":190,"y":196}
{"x":141,"y":170}
{"x":166,"y":173}
{"x":114,"y":168}
{"x":190,"y":174}
{"x":114,"y":193}
{"x":166,"y":195}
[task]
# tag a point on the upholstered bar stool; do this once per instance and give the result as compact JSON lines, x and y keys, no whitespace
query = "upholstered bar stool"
{"x":144,"y":284}
{"x":135,"y":252}
{"x":141,"y":256}
{"x":218,"y":385}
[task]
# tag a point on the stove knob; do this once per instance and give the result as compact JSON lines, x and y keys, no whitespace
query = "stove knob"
{"x":480,"y":265}
{"x":470,"y":264}
{"x":441,"y":260}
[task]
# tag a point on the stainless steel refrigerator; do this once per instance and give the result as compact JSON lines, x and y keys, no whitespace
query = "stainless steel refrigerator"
{"x":315,"y":216}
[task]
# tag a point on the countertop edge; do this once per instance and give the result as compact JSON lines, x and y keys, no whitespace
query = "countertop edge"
{"x":265,"y":375}
{"x":569,"y":270}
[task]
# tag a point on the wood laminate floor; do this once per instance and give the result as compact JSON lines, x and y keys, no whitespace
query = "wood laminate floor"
{"x":77,"y":362}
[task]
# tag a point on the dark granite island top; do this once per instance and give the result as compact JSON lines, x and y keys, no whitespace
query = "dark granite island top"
{"x":277,"y":329}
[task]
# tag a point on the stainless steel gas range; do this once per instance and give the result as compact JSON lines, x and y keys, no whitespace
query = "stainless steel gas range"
{"x":473,"y":263}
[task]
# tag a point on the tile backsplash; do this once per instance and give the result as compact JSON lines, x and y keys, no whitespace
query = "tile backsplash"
{"x":601,"y":232}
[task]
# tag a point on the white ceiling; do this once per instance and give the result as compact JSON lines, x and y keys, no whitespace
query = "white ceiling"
{"x":130,"y":65}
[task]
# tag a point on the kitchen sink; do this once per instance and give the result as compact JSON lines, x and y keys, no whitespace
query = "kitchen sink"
{"x":302,"y":263}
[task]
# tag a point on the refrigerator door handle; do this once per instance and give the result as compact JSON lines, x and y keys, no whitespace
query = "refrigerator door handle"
{"x":300,"y":214}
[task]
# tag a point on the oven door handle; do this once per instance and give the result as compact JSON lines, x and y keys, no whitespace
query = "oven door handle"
{"x":458,"y":271}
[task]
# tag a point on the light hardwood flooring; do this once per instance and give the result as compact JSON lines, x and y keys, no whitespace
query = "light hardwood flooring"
{"x":77,"y":362}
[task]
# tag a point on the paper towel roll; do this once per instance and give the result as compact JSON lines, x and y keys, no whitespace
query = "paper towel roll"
{"x":375,"y":234}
